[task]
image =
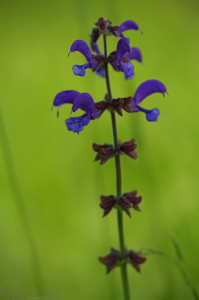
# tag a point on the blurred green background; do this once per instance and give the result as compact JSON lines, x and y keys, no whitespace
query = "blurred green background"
{"x":52,"y":227}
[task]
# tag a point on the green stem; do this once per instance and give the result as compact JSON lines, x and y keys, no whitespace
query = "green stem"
{"x":16,"y":189}
{"x":124,"y":274}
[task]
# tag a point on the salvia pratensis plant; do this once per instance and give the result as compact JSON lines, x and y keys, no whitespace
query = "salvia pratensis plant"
{"x":121,"y":61}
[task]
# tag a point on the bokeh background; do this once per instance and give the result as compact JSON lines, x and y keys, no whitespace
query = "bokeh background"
{"x":52,"y":229}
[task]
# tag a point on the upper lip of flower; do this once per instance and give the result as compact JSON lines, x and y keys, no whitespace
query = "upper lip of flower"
{"x":126,"y":25}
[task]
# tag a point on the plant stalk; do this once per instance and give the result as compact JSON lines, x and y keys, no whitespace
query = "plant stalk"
{"x":123,"y":267}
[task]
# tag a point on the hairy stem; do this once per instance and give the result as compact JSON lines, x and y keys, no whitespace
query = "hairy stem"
{"x":124,"y":274}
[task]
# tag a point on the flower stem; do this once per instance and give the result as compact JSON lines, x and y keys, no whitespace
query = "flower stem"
{"x":124,"y":274}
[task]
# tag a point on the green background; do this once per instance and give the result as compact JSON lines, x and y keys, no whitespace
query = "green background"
{"x":51,"y":227}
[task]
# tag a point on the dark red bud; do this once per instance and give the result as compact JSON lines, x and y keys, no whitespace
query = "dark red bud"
{"x":103,"y":25}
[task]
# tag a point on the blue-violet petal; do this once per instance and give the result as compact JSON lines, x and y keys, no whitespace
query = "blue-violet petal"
{"x":82,"y":47}
{"x":147,"y":88}
{"x":65,"y":97}
{"x":77,"y":124}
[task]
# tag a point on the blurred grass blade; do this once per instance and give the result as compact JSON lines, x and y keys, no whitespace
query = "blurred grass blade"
{"x":153,"y":251}
{"x":177,"y":249}
{"x":179,"y":263}
{"x":20,"y":203}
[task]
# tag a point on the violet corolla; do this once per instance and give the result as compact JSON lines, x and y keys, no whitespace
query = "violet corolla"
{"x":82,"y":101}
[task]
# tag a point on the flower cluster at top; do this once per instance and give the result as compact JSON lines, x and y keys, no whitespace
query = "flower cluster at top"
{"x":120,"y":60}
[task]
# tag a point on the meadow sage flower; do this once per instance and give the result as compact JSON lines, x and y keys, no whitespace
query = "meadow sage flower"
{"x":120,"y":59}
{"x":92,"y":60}
{"x":82,"y":101}
{"x":131,"y":104}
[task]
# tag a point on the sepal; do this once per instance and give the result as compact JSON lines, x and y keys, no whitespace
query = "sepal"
{"x":104,"y":152}
{"x":129,"y":148}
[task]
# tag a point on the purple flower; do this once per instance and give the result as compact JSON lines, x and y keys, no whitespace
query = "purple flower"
{"x":92,"y":60}
{"x":82,"y":101}
{"x":126,"y":67}
{"x":147,"y":88}
{"x":120,"y":60}
{"x":122,"y":63}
